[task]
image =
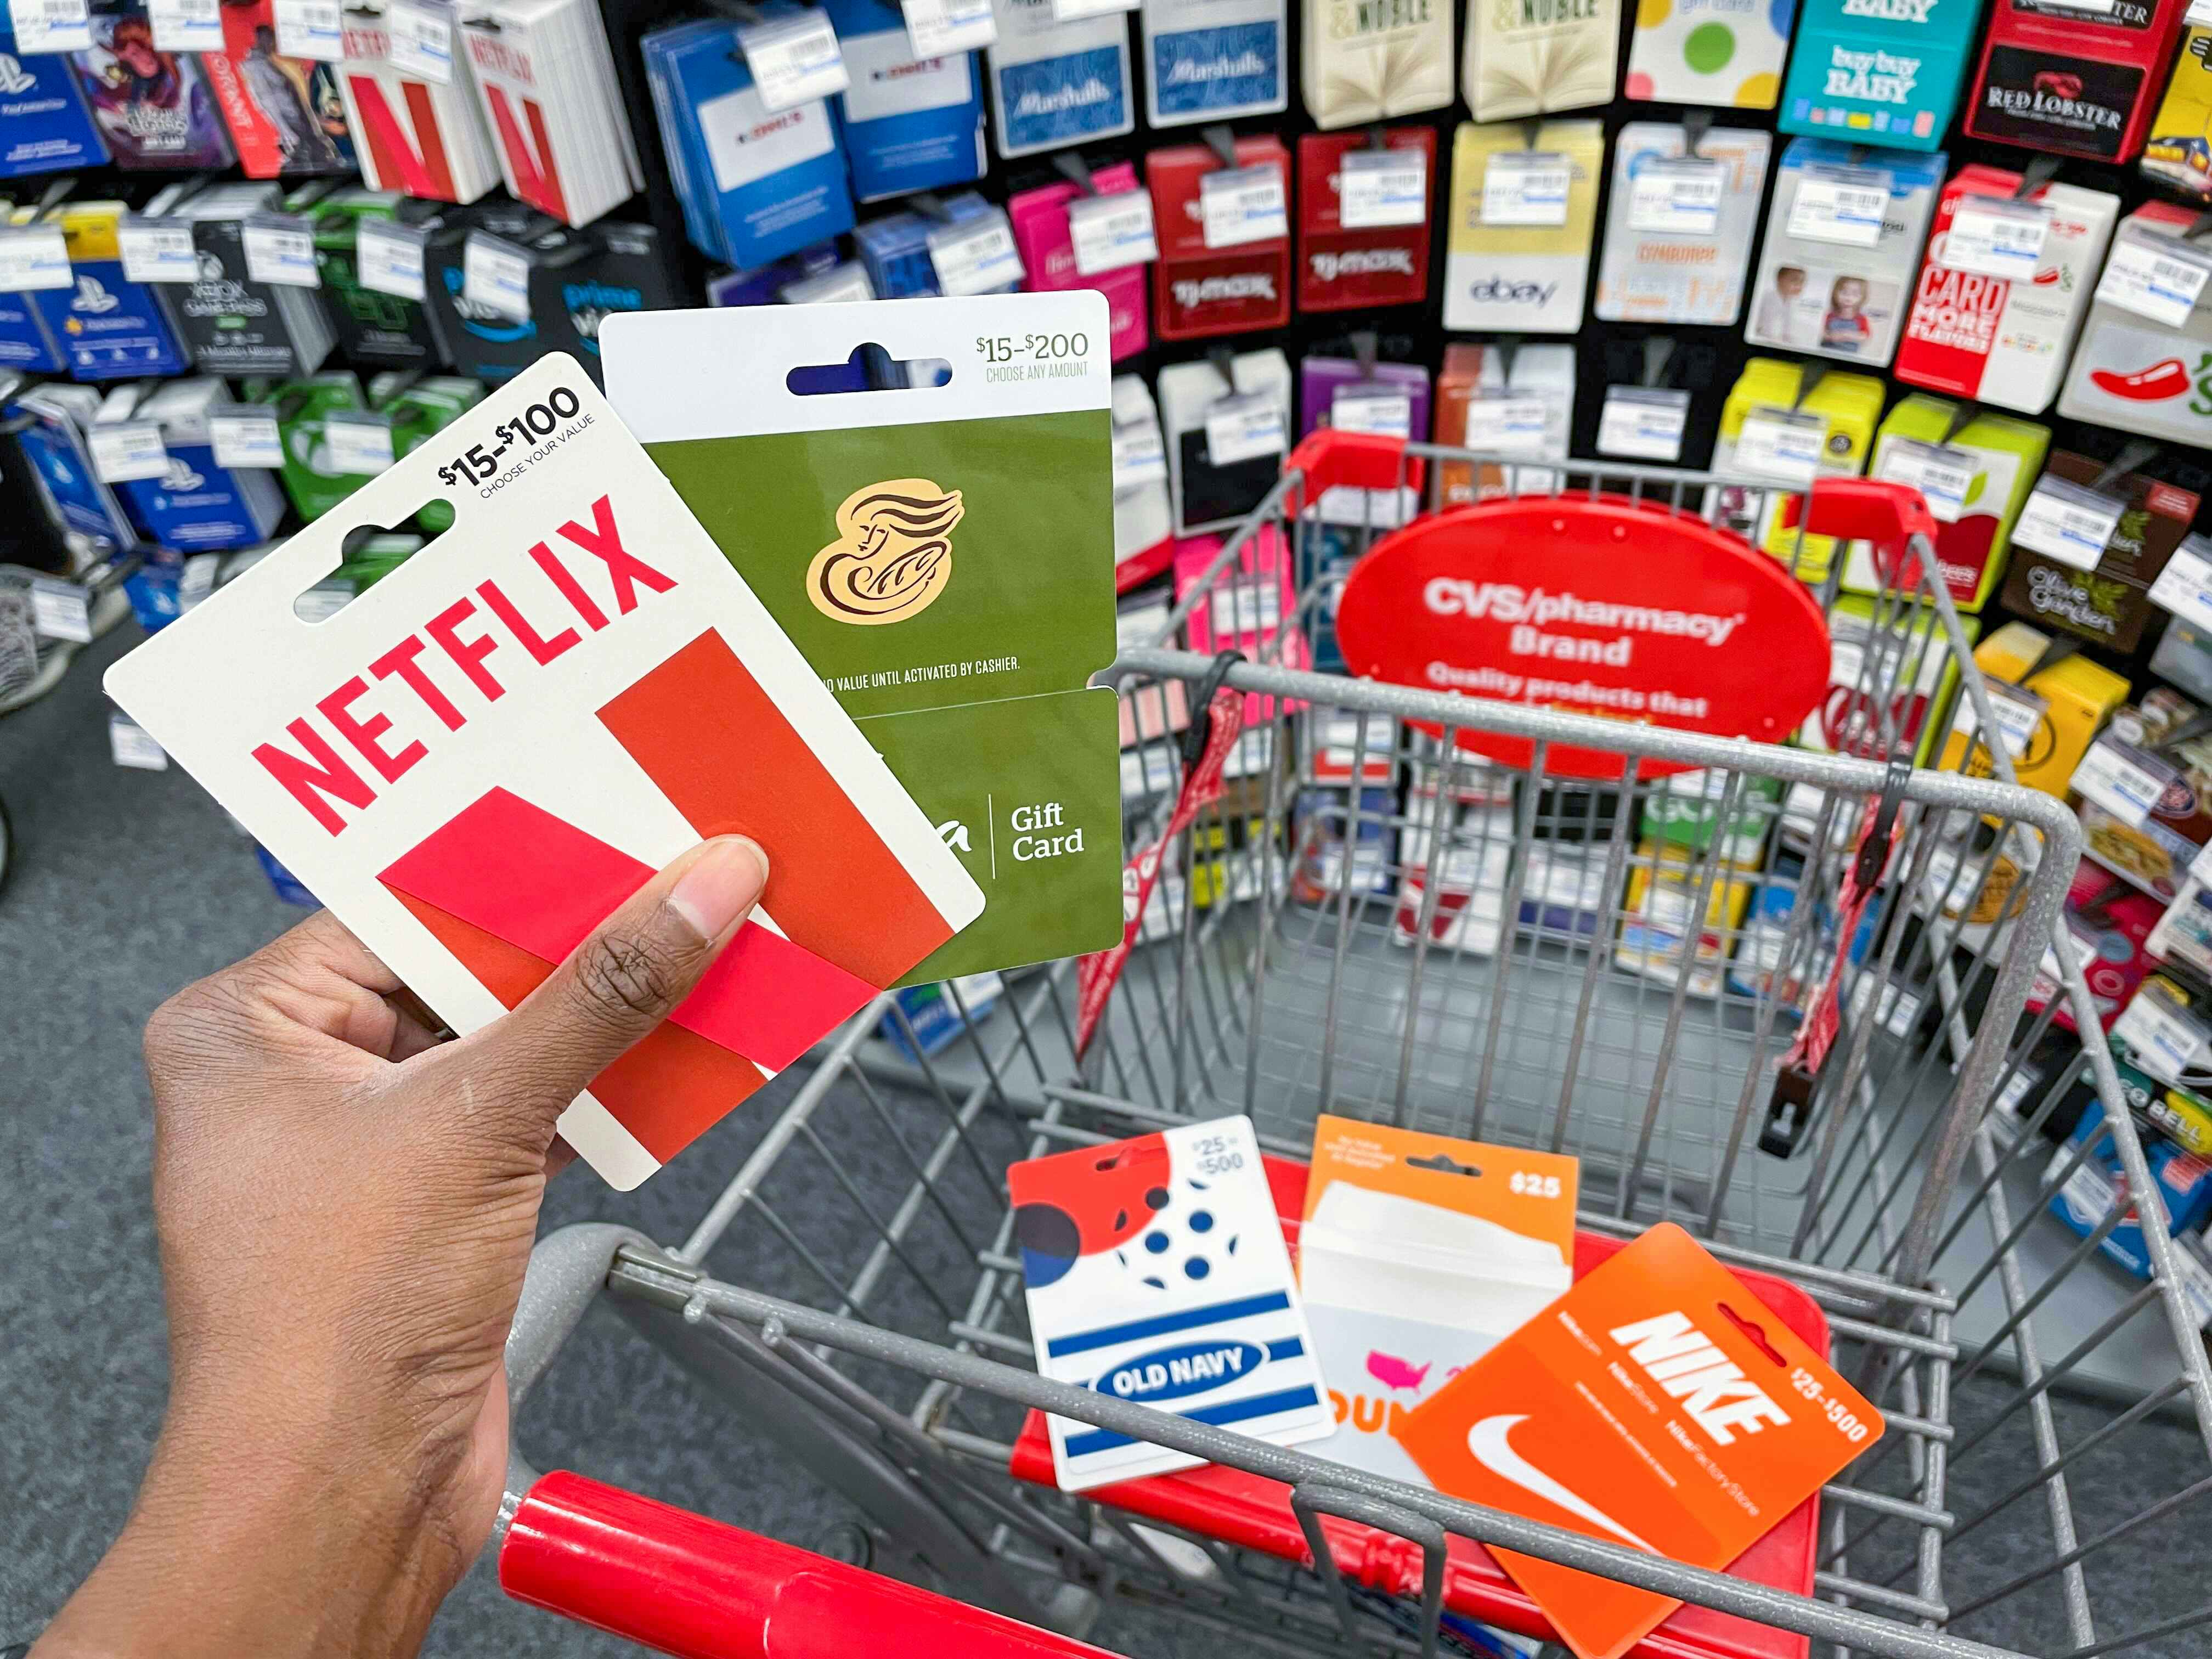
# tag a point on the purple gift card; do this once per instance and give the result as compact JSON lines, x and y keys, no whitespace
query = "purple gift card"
{"x":1322,"y":378}
{"x":1048,"y":249}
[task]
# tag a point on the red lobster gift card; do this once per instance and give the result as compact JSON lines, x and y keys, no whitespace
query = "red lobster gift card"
{"x":482,"y":754}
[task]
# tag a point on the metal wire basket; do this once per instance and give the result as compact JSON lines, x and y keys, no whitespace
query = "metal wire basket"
{"x":1371,"y":922}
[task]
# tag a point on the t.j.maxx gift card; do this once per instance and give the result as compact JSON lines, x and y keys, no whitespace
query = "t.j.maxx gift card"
{"x":484,"y":753}
{"x":921,"y":492}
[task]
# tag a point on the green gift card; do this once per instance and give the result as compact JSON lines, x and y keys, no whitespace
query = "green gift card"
{"x":935,"y":531}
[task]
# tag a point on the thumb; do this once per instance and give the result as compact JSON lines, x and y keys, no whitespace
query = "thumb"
{"x":615,"y":986}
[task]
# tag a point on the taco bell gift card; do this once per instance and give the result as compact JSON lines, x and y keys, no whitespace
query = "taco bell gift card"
{"x":1156,"y":1272}
{"x":1658,"y":1405}
{"x":941,"y":551}
{"x":1418,"y":1254}
{"x":480,"y":757}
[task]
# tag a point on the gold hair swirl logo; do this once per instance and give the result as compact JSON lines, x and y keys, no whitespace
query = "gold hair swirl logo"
{"x":893,"y":555}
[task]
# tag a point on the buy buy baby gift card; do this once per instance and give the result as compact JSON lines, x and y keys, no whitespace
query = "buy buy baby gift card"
{"x":1156,"y":1272}
{"x":940,"y":548}
{"x":477,"y":758}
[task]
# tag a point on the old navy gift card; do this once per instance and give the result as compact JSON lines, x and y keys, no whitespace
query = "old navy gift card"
{"x":1657,"y":1405}
{"x":1156,"y":1272}
{"x":483,"y":754}
{"x":942,"y":554}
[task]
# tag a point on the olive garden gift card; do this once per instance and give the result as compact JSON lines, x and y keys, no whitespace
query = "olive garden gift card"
{"x":921,"y":491}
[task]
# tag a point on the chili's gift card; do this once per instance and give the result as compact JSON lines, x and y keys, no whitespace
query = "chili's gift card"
{"x":940,"y":547}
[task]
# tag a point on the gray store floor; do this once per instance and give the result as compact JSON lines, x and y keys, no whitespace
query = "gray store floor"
{"x":129,"y":883}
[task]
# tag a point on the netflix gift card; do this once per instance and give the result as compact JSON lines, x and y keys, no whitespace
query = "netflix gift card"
{"x":1218,"y":285}
{"x":1657,"y":1405}
{"x":486,"y":752}
{"x":1344,"y":267}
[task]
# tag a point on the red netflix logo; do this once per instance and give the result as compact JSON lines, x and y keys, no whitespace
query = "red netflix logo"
{"x":321,"y":776}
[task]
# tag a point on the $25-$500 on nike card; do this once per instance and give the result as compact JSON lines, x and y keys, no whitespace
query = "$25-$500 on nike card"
{"x":1658,"y":1405}
{"x":477,"y":758}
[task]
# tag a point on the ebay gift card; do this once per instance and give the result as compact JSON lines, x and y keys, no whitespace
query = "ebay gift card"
{"x":481,"y":755}
{"x":1156,"y":1272}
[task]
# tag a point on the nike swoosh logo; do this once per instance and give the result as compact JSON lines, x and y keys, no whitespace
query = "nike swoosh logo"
{"x":1486,"y":1444}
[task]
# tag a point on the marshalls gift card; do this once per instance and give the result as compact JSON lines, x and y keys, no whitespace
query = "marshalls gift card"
{"x":477,"y":759}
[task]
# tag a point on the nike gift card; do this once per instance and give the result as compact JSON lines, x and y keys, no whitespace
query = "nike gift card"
{"x":1657,"y":1405}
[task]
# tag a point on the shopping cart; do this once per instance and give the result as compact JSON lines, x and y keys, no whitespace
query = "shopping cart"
{"x":1372,"y":920}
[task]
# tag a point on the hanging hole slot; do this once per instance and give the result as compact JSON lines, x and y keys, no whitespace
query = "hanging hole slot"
{"x":870,"y":369}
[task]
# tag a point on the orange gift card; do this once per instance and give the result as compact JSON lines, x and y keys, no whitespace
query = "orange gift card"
{"x":1658,"y":1404}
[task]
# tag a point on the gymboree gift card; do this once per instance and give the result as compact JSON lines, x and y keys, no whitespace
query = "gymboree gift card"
{"x":482,"y":755}
{"x":1156,"y":1272}
{"x":921,"y":493}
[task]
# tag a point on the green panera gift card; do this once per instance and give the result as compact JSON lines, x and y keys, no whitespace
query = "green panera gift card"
{"x":934,"y":528}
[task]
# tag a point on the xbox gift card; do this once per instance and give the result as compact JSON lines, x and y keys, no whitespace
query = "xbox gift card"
{"x":940,"y":547}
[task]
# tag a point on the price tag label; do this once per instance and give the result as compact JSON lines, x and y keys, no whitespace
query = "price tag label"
{"x":186,"y":25}
{"x":976,"y":256}
{"x":422,"y":37}
{"x":61,"y":611}
{"x":1374,"y":409}
{"x":2200,"y":13}
{"x":310,"y":28}
{"x":1842,"y":205}
{"x":1643,"y":424}
{"x":198,"y":580}
{"x":2164,"y":1042}
{"x":2184,"y":586}
{"x":1505,"y":425}
{"x":388,"y":257}
{"x":1112,"y":231}
{"x":2068,"y":523}
{"x":1244,"y":429}
{"x":123,"y":451}
{"x":1141,"y":454}
{"x":1245,"y":604}
{"x":358,"y":443}
{"x":2123,"y":787}
{"x":129,"y":744}
{"x":1526,"y":187}
{"x":155,"y":251}
{"x":281,"y":253}
{"x":1995,"y":236}
{"x":245,"y":436}
{"x":33,"y":256}
{"x":1784,"y":445}
{"x":1068,"y":11}
{"x":495,"y":275}
{"x":2019,"y":714}
{"x":1943,"y":475}
{"x":1378,"y":189}
{"x":794,"y":60}
{"x":938,"y":28}
{"x":2162,"y":283}
{"x":839,"y":285}
{"x":1677,"y":196}
{"x":1243,"y":204}
{"x":51,"y":25}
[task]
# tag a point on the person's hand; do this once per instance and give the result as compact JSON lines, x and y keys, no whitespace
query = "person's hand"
{"x":345,"y":1207}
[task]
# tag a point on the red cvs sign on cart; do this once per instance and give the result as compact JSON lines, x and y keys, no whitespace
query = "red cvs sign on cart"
{"x":1605,"y":607}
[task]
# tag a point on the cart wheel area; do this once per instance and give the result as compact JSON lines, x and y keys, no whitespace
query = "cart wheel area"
{"x":1375,"y":920}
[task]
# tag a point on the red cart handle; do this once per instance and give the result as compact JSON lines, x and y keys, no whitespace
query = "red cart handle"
{"x":678,"y":1583}
{"x":1890,"y":516}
